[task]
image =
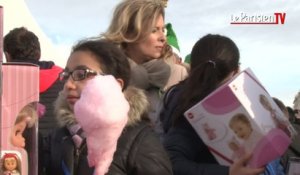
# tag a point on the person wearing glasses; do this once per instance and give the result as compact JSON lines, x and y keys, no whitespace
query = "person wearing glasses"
{"x":138,"y":149}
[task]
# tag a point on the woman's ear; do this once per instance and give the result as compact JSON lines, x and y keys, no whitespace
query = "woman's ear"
{"x":121,"y":82}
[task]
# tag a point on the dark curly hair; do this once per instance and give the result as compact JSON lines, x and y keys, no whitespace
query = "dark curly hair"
{"x":22,"y":44}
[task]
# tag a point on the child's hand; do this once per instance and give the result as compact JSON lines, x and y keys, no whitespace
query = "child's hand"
{"x":239,"y":167}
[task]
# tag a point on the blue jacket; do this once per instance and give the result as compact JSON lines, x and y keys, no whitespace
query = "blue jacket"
{"x":274,"y":168}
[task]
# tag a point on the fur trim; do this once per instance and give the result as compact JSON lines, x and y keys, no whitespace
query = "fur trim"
{"x":63,"y":112}
{"x":139,"y":105}
{"x":137,"y":99}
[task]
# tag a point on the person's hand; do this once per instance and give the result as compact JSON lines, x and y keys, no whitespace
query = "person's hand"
{"x":239,"y":167}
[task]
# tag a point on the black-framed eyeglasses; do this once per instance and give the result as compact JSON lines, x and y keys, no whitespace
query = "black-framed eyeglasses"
{"x":77,"y":74}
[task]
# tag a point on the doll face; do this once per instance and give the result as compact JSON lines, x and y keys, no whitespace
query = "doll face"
{"x":241,"y":129}
{"x":79,"y":60}
{"x":17,"y":138}
{"x":151,"y":47}
{"x":10,"y":164}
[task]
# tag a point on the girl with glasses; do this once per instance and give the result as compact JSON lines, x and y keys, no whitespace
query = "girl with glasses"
{"x":138,"y":150}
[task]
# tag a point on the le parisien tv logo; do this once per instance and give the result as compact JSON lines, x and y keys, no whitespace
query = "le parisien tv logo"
{"x":258,"y":19}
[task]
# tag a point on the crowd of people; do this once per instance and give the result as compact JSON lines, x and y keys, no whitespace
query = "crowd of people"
{"x":118,"y":106}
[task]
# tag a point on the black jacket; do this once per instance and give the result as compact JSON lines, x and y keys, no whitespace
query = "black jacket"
{"x":49,"y":89}
{"x":188,"y":153}
{"x":294,"y":148}
{"x":139,"y":151}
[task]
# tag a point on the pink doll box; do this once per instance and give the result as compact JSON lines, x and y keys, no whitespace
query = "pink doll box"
{"x":239,"y":117}
{"x":20,"y":88}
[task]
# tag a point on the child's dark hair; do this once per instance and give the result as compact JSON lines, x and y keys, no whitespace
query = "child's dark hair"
{"x":213,"y":58}
{"x":111,"y":58}
{"x":22,"y":44}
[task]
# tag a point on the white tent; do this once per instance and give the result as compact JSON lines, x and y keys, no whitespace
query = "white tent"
{"x":17,"y":14}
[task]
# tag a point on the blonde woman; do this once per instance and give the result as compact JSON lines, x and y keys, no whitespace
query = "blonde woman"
{"x":138,"y":27}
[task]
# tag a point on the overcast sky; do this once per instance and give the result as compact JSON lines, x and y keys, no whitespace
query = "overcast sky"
{"x":269,"y":50}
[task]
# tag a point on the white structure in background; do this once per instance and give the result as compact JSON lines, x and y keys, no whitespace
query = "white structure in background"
{"x":17,"y":14}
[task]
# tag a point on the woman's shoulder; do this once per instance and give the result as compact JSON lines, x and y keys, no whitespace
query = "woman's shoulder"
{"x":137,"y":129}
{"x":140,"y":147}
{"x":139,"y":136}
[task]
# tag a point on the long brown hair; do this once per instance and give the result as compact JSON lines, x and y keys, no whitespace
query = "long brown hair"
{"x":213,"y":58}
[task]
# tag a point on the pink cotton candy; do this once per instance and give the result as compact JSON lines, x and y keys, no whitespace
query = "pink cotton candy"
{"x":102,"y":113}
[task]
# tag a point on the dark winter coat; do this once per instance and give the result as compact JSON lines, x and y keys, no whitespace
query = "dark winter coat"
{"x":139,"y":151}
{"x":294,"y":148}
{"x":188,"y":153}
{"x":49,"y":89}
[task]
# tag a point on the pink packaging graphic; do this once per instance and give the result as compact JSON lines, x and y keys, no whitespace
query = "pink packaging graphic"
{"x":18,"y":132}
{"x":239,"y":117}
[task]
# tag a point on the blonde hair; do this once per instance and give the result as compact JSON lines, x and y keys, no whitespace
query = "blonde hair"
{"x":10,"y":155}
{"x":241,"y":118}
{"x":27,"y":111}
{"x":133,"y":20}
{"x":167,"y":52}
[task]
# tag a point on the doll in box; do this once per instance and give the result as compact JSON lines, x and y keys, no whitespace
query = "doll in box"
{"x":25,"y":119}
{"x":10,"y":164}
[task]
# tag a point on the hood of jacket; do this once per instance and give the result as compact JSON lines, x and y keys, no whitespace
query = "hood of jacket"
{"x":137,"y":99}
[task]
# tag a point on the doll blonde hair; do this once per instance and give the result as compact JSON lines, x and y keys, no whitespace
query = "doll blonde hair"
{"x":28,"y":111}
{"x":239,"y":118}
{"x":10,"y":155}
